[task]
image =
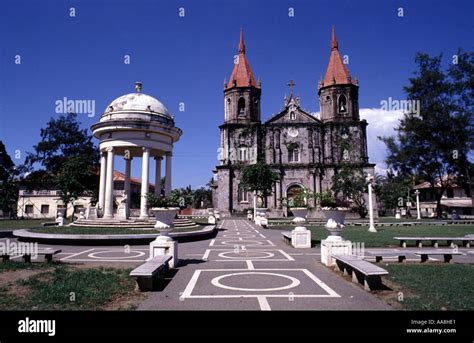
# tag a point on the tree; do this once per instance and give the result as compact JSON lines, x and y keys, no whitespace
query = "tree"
{"x":73,"y":178}
{"x":8,"y":184}
{"x":68,"y":157}
{"x":391,"y":190}
{"x":434,"y":144}
{"x":351,"y":183}
{"x":258,"y":178}
{"x":61,"y":140}
{"x":202,"y":198}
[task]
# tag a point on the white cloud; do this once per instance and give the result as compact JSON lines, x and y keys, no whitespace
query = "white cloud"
{"x":381,"y":123}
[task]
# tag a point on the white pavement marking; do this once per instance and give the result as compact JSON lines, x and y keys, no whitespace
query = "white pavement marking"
{"x":321,"y":284}
{"x":191,"y":285}
{"x":91,"y":260}
{"x":286,"y":255}
{"x":212,"y":243}
{"x":262,"y":235}
{"x":250,"y":265}
{"x":93,"y":255}
{"x":77,"y":254}
{"x":263,"y":303}
{"x":206,"y":254}
{"x":294,"y":282}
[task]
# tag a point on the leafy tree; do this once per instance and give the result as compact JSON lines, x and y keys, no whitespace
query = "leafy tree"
{"x":65,"y":159}
{"x":8,"y":183}
{"x":391,"y":190}
{"x":72,"y":179}
{"x":202,"y":198}
{"x":258,"y":178}
{"x":351,"y":183}
{"x":435,"y":143}
{"x":61,"y":140}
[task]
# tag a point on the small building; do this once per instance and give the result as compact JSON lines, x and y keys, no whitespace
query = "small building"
{"x":454,"y":198}
{"x":38,"y":204}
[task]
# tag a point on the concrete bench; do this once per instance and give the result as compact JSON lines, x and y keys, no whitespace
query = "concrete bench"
{"x":379,"y":256}
{"x":447,"y":254}
{"x":286,"y":237}
{"x":150,"y":271}
{"x":362,"y":271}
{"x":466,"y":241}
{"x":48,"y":255}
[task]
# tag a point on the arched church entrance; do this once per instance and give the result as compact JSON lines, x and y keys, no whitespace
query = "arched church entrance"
{"x":291,"y":192}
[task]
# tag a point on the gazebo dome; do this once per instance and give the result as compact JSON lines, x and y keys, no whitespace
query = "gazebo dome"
{"x":138,"y":102}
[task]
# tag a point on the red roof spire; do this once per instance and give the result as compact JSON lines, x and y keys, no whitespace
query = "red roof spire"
{"x":242,"y":75}
{"x":333,"y":40}
{"x":337,"y":72}
{"x":241,"y":42}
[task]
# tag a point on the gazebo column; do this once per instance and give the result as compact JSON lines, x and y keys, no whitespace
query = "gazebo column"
{"x":168,"y":174}
{"x":103,"y":174}
{"x":158,"y":176}
{"x":109,"y":185}
{"x":126,"y":186}
{"x":145,"y":183}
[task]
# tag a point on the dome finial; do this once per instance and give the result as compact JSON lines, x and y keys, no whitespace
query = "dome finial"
{"x":138,"y":87}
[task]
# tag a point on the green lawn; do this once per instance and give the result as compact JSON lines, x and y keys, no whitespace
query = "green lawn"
{"x":7,"y":224}
{"x":434,"y":286}
{"x":384,"y":236}
{"x":38,"y":286}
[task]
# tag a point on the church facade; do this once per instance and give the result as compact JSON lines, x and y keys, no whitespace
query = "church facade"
{"x":305,"y":151}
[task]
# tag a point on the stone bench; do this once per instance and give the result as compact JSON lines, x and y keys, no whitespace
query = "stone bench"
{"x":362,"y":271}
{"x":466,"y":241}
{"x":48,"y":255}
{"x":286,"y":237}
{"x":379,"y":256}
{"x":150,"y":271}
{"x":447,"y":254}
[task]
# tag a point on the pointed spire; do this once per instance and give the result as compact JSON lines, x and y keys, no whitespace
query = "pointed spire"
{"x":334,"y":44}
{"x":337,"y":72}
{"x":242,"y":75}
{"x":241,"y":42}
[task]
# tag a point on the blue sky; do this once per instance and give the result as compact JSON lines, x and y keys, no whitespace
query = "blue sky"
{"x":185,"y":59}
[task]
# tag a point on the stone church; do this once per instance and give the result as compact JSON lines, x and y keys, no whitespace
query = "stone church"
{"x":303,"y":149}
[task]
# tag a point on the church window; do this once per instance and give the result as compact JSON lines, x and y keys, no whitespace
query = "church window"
{"x":241,"y":110}
{"x":292,"y":115}
{"x":342,"y":104}
{"x":243,"y":154}
{"x":243,"y":194}
{"x":294,"y":155}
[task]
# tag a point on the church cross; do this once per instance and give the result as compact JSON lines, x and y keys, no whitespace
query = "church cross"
{"x":291,"y":84}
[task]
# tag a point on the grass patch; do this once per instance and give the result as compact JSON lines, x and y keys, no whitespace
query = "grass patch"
{"x":434,"y":286}
{"x":8,"y":224}
{"x":384,"y":236}
{"x":65,"y":287}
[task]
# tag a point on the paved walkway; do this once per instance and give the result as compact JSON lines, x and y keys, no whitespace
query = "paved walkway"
{"x":249,"y":268}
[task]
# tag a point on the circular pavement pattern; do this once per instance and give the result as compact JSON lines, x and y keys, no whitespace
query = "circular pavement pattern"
{"x":243,"y":242}
{"x":293,"y":281}
{"x":246,"y":255}
{"x":117,"y":255}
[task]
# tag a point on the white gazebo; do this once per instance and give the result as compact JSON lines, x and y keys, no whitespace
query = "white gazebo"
{"x":134,"y":125}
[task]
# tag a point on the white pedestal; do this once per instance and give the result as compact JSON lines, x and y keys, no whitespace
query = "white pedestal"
{"x":301,"y":237}
{"x":91,"y":213}
{"x":121,"y":212}
{"x":334,"y":245}
{"x":164,"y":245}
{"x":211,"y":220}
{"x":61,"y":221}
